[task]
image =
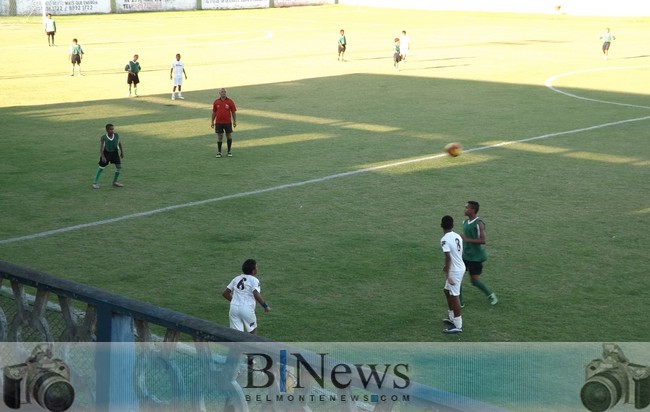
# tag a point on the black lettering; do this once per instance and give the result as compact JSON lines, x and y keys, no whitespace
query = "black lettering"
{"x":397,"y":371}
{"x":301,"y":361}
{"x":250,"y":357}
{"x":335,"y":372}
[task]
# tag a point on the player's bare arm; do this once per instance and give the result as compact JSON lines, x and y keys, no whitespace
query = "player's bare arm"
{"x":227,"y":294}
{"x":258,"y":297}
{"x":445,"y":269}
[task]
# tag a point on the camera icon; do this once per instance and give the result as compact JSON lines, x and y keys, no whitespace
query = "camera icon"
{"x":612,"y":379}
{"x":40,"y":378}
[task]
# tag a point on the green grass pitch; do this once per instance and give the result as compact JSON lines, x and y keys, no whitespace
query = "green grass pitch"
{"x":338,"y":179}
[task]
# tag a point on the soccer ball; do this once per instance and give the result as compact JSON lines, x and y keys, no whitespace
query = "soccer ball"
{"x":454,"y":149}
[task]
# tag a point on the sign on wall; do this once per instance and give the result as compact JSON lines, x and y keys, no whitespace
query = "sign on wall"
{"x":290,"y":3}
{"x":62,"y":7}
{"x":123,"y":6}
{"x":234,"y":4}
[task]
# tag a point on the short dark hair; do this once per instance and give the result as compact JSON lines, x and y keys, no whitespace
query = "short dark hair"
{"x":108,"y":126}
{"x":447,"y":222}
{"x":473,"y":205}
{"x":248,"y":266}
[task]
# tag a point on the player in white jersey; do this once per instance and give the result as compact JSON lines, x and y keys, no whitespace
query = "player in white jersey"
{"x":176,"y":73}
{"x":454,"y":269}
{"x":243,"y":292}
{"x":404,"y":45}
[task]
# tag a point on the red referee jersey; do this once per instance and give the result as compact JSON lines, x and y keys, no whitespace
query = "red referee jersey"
{"x":223,"y":109}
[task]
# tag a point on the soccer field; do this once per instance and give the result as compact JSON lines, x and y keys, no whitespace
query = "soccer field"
{"x":338,"y":178}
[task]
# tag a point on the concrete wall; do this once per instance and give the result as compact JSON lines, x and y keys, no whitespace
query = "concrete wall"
{"x":621,"y":8}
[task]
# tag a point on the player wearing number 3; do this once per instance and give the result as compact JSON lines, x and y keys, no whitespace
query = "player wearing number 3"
{"x":243,"y":292}
{"x":454,"y":269}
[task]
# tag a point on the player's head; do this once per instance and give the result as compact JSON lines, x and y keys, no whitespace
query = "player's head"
{"x":473,"y":206}
{"x":178,"y":56}
{"x":396,"y":40}
{"x":135,"y":57}
{"x":49,"y":15}
{"x":74,"y":41}
{"x":404,"y":32}
{"x":447,"y":222}
{"x":223,"y":92}
{"x":109,"y":127}
{"x":249,"y":267}
{"x":342,"y":31}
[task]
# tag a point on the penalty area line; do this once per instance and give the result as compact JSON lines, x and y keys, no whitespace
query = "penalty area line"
{"x":302,"y":183}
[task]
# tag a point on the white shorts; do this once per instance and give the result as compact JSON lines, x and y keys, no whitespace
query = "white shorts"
{"x":243,"y":318}
{"x":457,"y":277}
{"x":178,"y":80}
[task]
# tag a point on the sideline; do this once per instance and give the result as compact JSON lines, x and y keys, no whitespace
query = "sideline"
{"x":305,"y":182}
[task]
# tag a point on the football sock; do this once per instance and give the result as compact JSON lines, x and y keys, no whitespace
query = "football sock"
{"x":460,"y":297}
{"x":483,"y":288}
{"x":117,"y":175}
{"x":99,"y":173}
{"x":219,"y":144}
{"x":458,"y":322}
{"x":229,"y":144}
{"x":451,"y":314}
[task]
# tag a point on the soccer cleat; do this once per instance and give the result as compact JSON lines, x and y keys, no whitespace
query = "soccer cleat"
{"x":218,"y":154}
{"x":493,"y":299}
{"x":180,"y":96}
{"x":452,"y":329}
{"x":117,"y":184}
{"x":448,"y":321}
{"x":229,"y":154}
{"x":173,"y":97}
{"x":95,"y":186}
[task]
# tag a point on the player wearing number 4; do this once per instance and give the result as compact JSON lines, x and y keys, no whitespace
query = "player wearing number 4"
{"x":243,"y":293}
{"x":176,"y":73}
{"x":454,"y":270}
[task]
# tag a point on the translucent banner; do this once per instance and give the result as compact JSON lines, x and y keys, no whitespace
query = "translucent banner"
{"x":326,"y":376}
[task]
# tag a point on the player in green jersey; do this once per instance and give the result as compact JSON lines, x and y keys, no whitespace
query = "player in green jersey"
{"x":607,"y":38}
{"x":133,"y":78}
{"x":76,"y":53}
{"x":474,"y":253}
{"x":110,"y":151}
{"x":342,"y":45}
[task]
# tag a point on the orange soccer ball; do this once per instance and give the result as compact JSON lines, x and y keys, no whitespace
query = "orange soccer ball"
{"x":454,"y":149}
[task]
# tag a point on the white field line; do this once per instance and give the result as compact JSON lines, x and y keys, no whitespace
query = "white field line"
{"x":550,"y":80}
{"x":331,"y":177}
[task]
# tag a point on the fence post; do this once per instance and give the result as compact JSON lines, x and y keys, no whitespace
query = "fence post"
{"x":115,"y":362}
